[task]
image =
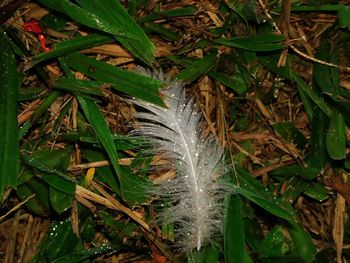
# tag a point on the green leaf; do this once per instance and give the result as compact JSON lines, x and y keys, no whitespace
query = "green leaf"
{"x":103,"y":174}
{"x":306,"y":173}
{"x":131,"y":83}
{"x":261,"y":42}
{"x":59,"y":241}
{"x":274,"y":244}
{"x":327,"y":78}
{"x":132,"y":187}
{"x":70,"y":46}
{"x":197,"y":68}
{"x":39,"y":164}
{"x":290,"y":133}
{"x":82,"y":256}
{"x":318,"y":156}
{"x":182,"y":11}
{"x":303,"y":242}
{"x":235,"y":82}
{"x":317,"y":191}
{"x":234,"y":247}
{"x":59,"y":183}
{"x":336,"y":137}
{"x":60,"y":201}
{"x":79,"y":86}
{"x":33,"y":205}
{"x":270,"y":62}
{"x":9,"y":140}
{"x":344,"y":15}
{"x":208,"y":254}
{"x":98,"y":15}
{"x":136,"y":40}
{"x":255,"y":192}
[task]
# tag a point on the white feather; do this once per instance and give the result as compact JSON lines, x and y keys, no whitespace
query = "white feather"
{"x":176,"y":132}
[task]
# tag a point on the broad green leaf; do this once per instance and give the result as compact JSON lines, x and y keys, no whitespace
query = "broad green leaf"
{"x":58,"y":242}
{"x":41,"y":191}
{"x":41,"y":166}
{"x":70,"y":46}
{"x":302,"y":242}
{"x":54,"y":159}
{"x":59,"y":183}
{"x":9,"y":140}
{"x":317,"y":191}
{"x":131,"y":83}
{"x":33,"y":205}
{"x":60,"y":201}
{"x":262,"y":42}
{"x":234,"y":246}
{"x":85,"y":17}
{"x":344,"y":16}
{"x":82,"y":256}
{"x":197,"y":68}
{"x":336,"y":137}
{"x":274,"y":244}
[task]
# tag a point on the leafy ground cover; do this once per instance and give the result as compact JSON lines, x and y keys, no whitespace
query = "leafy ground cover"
{"x":271,"y":79}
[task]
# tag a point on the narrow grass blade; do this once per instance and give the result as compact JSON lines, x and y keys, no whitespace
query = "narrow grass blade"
{"x":110,"y":17}
{"x":262,"y":42}
{"x":70,"y":46}
{"x":9,"y":142}
{"x":131,"y":83}
{"x":129,"y":183}
{"x":234,"y":246}
{"x":336,"y":137}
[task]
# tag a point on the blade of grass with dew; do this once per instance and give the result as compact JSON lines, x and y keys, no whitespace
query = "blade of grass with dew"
{"x":318,"y":156}
{"x":234,"y":246}
{"x":168,"y":14}
{"x":129,"y":82}
{"x":9,"y":140}
{"x":303,"y":242}
{"x":151,"y":27}
{"x":112,"y":18}
{"x":325,"y":77}
{"x":138,"y":42}
{"x":336,"y":137}
{"x":235,"y":82}
{"x":258,"y":43}
{"x":270,"y":62}
{"x":131,"y":186}
{"x":252,"y":190}
{"x":197,"y":68}
{"x":274,"y":244}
